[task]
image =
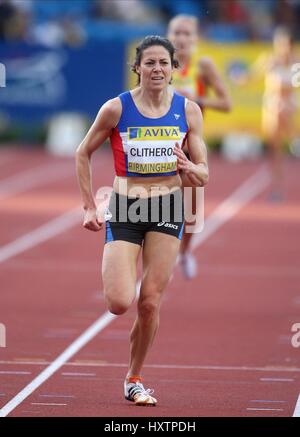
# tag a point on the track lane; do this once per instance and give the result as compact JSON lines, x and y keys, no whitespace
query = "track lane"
{"x":118,"y":333}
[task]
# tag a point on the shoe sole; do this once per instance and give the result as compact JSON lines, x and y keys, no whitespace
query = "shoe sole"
{"x":141,"y":404}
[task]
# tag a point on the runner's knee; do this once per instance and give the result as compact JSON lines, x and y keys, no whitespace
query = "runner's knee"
{"x":148,"y":307}
{"x":117,"y":308}
{"x":118,"y":305}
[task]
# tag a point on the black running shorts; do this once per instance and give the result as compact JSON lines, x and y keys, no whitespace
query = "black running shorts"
{"x":131,"y":218}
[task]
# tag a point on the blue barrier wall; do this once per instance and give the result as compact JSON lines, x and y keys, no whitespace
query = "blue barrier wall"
{"x":41,"y":82}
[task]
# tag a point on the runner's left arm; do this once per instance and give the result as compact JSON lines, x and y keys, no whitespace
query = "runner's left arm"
{"x":196,"y":169}
{"x":220,"y":101}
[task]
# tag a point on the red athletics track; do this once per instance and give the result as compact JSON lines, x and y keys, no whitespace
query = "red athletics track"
{"x":224,"y":345}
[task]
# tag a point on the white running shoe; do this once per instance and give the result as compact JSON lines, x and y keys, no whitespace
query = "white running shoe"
{"x":188,"y":264}
{"x":134,"y":391}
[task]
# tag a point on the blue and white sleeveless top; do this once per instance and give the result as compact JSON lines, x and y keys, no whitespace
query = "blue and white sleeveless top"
{"x":144,"y":146}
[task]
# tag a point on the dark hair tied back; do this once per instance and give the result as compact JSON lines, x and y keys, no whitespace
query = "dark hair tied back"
{"x":149,"y":41}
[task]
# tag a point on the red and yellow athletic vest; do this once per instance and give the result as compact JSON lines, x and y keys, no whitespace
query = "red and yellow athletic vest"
{"x":187,"y":79}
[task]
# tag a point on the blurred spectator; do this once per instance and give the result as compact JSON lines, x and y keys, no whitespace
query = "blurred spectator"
{"x":74,"y":35}
{"x":14,"y":22}
{"x":261,"y":23}
{"x":134,"y":11}
{"x":7,"y":12}
{"x":49,"y":34}
{"x":58,"y":22}
{"x":230,"y":11}
{"x":60,"y":32}
{"x":23,"y":5}
{"x":285,"y":15}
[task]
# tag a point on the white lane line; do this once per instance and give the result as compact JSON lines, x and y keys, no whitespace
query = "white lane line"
{"x":297,"y":408}
{"x":77,"y":374}
{"x":47,"y":403}
{"x":264,"y":401}
{"x":40,"y":235}
{"x":246,"y":192}
{"x":86,"y":363}
{"x":12,"y":372}
{"x":232,"y":205}
{"x":264,"y":409}
{"x":56,"y":396}
{"x":30,"y":178}
{"x":277,"y":379}
{"x":71,"y":350}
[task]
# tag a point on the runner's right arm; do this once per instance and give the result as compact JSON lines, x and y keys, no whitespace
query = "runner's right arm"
{"x":101,"y":129}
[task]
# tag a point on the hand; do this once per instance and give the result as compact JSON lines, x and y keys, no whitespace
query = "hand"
{"x":90,"y":221}
{"x":183,"y":163}
{"x":195,"y":172}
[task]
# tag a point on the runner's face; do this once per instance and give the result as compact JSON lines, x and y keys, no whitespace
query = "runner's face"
{"x":282,"y":45}
{"x":183,"y":35}
{"x":155,"y":69}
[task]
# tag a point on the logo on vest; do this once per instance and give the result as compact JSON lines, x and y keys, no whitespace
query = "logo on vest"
{"x":154,"y":133}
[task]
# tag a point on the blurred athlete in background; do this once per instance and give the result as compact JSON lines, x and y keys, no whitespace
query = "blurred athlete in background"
{"x":278,"y":104}
{"x":194,"y":78}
